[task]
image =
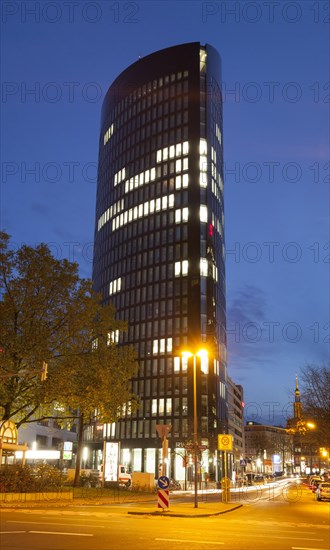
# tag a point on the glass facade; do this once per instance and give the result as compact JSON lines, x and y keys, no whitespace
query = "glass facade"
{"x":159,"y":244}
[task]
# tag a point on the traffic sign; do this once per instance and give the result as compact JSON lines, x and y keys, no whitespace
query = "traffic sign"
{"x":225,"y":442}
{"x":242,"y":462}
{"x":163,"y":482}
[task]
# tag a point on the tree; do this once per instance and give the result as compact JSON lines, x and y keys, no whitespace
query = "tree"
{"x":49,"y":315}
{"x":315,"y":396}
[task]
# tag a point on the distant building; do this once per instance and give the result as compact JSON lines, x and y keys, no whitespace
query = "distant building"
{"x":268,"y":449}
{"x":236,"y":422}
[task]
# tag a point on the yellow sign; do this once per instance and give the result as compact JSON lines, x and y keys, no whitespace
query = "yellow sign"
{"x":225,"y":442}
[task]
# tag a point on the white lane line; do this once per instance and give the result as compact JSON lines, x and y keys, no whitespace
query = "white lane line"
{"x":186,"y":540}
{"x":10,"y":532}
{"x":296,"y":538}
{"x":59,"y":533}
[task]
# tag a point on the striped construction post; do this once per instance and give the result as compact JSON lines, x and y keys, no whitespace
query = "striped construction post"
{"x":163,"y":498}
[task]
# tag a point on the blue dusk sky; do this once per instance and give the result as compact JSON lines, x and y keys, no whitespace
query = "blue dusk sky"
{"x":58,"y":60}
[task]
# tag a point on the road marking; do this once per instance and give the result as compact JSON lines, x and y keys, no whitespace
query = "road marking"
{"x":185,"y":540}
{"x":59,"y":533}
{"x":296,"y":538}
{"x":53,"y":523}
{"x":305,"y":548}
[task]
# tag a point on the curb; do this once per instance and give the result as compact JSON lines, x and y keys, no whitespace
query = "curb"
{"x":174,"y":515}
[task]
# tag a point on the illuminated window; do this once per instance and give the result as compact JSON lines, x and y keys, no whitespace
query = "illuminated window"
{"x":203,"y":163}
{"x":203,"y":147}
{"x":184,"y":268}
{"x":154,"y":407}
{"x":169,"y":405}
{"x":178,"y":182}
{"x":203,"y":267}
{"x":203,"y":213}
{"x":176,"y":364}
{"x":178,"y":216}
{"x":115,"y":286}
{"x":169,"y":345}
{"x":185,"y":179}
{"x":204,"y":364}
{"x":178,"y":165}
{"x":184,"y":363}
{"x":185,"y":148}
{"x":161,"y":408}
{"x":159,"y":155}
{"x":113,"y":337}
{"x":155,"y":347}
{"x":108,"y":134}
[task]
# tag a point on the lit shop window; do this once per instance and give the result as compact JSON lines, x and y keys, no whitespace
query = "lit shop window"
{"x":119,"y":176}
{"x":181,"y":268}
{"x":115,"y":286}
{"x":203,"y":267}
{"x":169,"y":405}
{"x":203,"y":213}
{"x":108,"y":134}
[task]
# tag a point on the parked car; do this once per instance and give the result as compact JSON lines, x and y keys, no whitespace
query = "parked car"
{"x":323,"y":491}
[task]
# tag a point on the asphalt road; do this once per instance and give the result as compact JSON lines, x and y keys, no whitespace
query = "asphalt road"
{"x":280,"y":521}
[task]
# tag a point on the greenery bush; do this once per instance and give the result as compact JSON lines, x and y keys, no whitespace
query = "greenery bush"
{"x":15,"y":478}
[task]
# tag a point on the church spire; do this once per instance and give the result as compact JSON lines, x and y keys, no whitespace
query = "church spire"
{"x":297,"y":407}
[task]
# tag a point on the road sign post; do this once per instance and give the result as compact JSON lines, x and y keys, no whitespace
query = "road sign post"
{"x":225,"y":443}
{"x":163,"y":499}
{"x":163,"y":492}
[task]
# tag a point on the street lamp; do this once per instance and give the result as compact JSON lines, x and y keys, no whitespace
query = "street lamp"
{"x":202,"y":354}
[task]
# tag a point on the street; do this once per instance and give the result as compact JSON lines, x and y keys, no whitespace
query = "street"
{"x":276,"y":521}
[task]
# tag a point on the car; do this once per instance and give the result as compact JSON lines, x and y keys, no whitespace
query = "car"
{"x":315,"y":483}
{"x":323,"y":491}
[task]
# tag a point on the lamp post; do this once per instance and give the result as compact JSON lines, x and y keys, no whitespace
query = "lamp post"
{"x":201,"y":353}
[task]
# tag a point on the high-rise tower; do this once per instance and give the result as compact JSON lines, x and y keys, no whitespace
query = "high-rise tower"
{"x":159,"y":245}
